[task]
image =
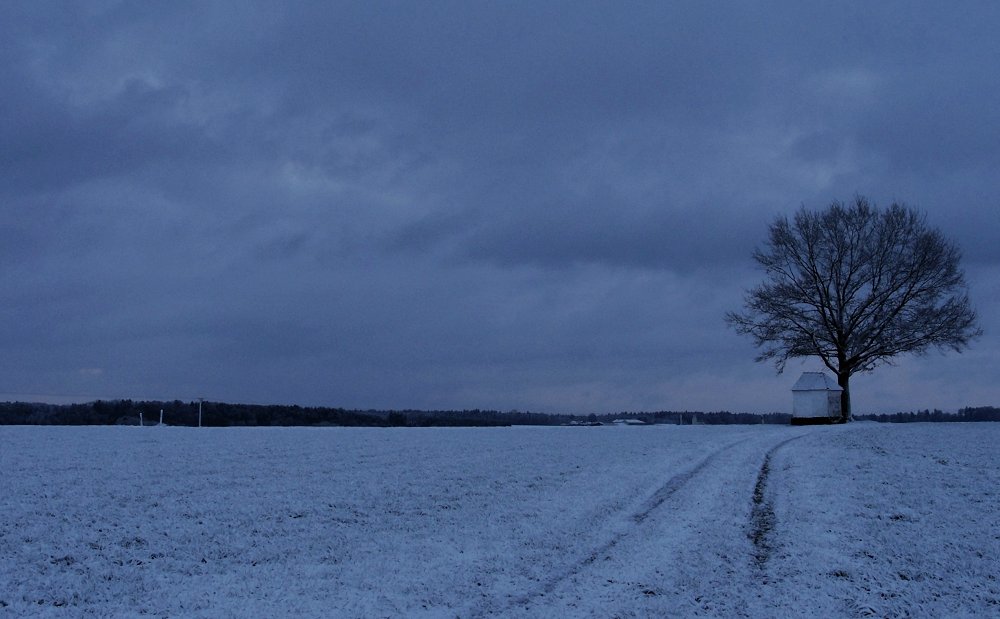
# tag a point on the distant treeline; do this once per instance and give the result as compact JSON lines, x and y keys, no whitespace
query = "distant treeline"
{"x":218,"y":414}
{"x":695,"y":418}
{"x":980,"y":413}
{"x":178,"y":413}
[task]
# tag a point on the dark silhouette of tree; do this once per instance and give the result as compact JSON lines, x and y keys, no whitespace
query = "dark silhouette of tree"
{"x":856,"y":286}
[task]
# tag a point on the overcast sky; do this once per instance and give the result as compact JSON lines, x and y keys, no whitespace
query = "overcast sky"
{"x":542,"y":206}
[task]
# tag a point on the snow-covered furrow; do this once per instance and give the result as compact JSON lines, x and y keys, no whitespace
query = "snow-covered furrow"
{"x":370,"y":522}
{"x":682,"y":553}
{"x":863,"y":520}
{"x":762,"y":517}
{"x":606,"y":547}
{"x":876,"y":520}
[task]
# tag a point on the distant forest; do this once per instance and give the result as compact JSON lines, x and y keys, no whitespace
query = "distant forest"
{"x":979,"y":413}
{"x":219,"y":414}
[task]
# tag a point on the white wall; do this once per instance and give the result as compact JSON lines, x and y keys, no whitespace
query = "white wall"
{"x":812,"y":404}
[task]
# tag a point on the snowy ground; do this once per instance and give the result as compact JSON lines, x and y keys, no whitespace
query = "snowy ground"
{"x":858,"y":520}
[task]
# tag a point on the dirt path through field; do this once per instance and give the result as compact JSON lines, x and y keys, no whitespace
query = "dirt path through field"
{"x":691,"y":538}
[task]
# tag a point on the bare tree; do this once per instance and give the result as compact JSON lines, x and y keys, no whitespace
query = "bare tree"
{"x":856,"y":286}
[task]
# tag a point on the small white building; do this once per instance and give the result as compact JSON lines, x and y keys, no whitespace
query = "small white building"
{"x":815,"y":399}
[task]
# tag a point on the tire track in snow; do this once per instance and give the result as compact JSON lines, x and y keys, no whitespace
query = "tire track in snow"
{"x":676,"y":482}
{"x":762,"y":519}
{"x":657,"y":499}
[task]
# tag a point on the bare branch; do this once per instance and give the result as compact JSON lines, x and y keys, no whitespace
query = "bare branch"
{"x":856,"y":286}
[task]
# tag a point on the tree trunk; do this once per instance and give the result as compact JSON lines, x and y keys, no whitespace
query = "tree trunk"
{"x":844,"y":380}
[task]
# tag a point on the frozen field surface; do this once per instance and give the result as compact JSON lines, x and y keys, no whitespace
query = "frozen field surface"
{"x":756,"y":521}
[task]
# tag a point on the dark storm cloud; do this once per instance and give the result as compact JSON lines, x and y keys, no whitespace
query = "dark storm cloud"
{"x":448,"y":204}
{"x":605,"y":231}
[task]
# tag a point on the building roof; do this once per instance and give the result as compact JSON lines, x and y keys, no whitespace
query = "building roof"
{"x":815,"y":381}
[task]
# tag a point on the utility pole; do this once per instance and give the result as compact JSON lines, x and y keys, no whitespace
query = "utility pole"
{"x":200,"y":400}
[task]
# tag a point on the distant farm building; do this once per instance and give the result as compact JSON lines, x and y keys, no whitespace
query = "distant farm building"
{"x":815,"y":399}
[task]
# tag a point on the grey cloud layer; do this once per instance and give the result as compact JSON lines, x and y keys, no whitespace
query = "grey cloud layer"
{"x":409,"y":204}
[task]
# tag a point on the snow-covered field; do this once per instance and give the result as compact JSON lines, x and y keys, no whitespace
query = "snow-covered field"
{"x":858,"y":520}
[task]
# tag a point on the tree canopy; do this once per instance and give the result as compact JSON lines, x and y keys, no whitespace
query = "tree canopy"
{"x":856,"y":286}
